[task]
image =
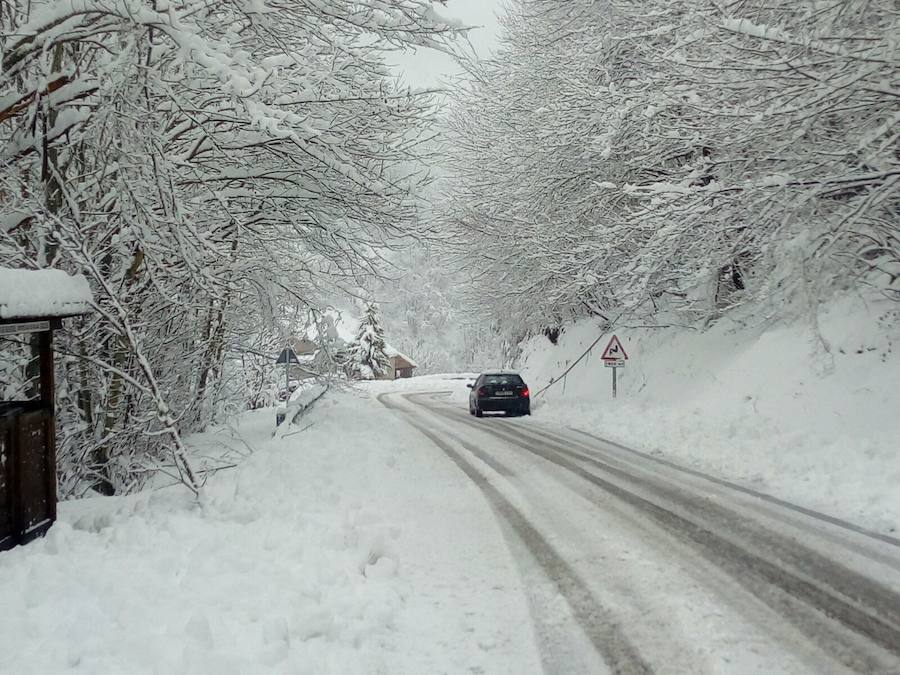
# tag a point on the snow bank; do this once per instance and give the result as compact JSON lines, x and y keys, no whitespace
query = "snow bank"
{"x":453,"y":384}
{"x":301,"y":399}
{"x":34,"y":293}
{"x":320,"y":553}
{"x":812,"y":418}
{"x":307,"y":394}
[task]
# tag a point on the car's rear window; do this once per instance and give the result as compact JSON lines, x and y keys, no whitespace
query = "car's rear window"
{"x":502,"y":379}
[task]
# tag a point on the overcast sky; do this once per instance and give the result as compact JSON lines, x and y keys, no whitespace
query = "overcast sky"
{"x":425,"y":67}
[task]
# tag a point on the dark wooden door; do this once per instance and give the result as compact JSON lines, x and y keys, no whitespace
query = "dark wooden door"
{"x":27,"y":475}
{"x":35,"y":472}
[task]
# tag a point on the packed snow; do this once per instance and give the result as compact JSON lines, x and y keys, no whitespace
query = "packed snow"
{"x":37,"y":293}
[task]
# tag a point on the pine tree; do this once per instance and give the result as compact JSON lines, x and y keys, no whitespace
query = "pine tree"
{"x":368,"y":359}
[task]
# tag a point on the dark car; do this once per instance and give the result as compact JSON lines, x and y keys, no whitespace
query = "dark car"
{"x":499,"y":392}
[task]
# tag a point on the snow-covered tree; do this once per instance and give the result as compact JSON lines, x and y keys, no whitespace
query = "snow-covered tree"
{"x":620,"y":159}
{"x":204,"y":165}
{"x":367,"y":358}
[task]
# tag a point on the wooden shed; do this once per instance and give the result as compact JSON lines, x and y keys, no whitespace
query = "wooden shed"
{"x":33,"y":304}
{"x":401,"y":366}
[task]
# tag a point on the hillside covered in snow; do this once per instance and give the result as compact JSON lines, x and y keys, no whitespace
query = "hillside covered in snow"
{"x":805,"y":409}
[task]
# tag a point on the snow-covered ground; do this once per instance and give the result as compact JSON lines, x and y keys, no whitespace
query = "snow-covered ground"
{"x":350,"y":543}
{"x":811,"y":415}
{"x":335,"y":549}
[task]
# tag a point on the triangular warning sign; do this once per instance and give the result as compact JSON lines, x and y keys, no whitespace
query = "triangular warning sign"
{"x":287,"y":356}
{"x":614,"y":351}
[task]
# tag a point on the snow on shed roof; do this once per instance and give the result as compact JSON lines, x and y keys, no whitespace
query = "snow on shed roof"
{"x":34,"y":293}
{"x":390,"y":352}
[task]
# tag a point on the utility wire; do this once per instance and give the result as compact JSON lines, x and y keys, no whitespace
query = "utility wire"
{"x":566,"y":372}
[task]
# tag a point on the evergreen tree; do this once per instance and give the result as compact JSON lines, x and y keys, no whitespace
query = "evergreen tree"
{"x":368,"y":359}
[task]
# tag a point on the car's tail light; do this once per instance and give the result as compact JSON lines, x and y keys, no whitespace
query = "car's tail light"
{"x":525,"y":393}
{"x":482,"y":391}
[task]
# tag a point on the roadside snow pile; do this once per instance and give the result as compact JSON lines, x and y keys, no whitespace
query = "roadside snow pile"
{"x":307,"y":394}
{"x":452,"y":383}
{"x":320,"y":553}
{"x":811,"y":418}
{"x":301,"y":399}
{"x":35,"y":293}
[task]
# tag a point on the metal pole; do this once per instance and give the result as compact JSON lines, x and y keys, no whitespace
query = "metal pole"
{"x":614,"y":369}
{"x":287,"y":377}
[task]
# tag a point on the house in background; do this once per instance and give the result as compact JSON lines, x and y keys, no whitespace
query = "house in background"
{"x":342,"y":330}
{"x":312,"y":360}
{"x":300,"y":358}
{"x":308,"y":363}
{"x":303,"y":346}
{"x":401,"y":366}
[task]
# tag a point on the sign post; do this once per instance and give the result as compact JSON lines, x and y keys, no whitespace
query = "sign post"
{"x":614,"y":356}
{"x":615,"y":372}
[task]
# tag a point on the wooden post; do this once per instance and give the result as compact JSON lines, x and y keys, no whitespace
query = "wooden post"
{"x":48,"y":403}
{"x":45,"y":344}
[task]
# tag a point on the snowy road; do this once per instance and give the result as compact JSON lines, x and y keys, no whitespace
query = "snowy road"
{"x":634,"y":566}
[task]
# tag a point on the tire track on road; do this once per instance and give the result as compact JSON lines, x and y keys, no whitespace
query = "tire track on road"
{"x":842,"y":579}
{"x":755,"y":573}
{"x":598,"y":623}
{"x":818,"y":515}
{"x":773,"y":507}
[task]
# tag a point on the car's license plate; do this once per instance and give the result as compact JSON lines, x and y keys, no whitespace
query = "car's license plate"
{"x":504,"y":393}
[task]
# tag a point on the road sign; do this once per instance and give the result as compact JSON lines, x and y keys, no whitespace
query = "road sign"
{"x":614,"y":351}
{"x":614,"y":356}
{"x":287,"y":356}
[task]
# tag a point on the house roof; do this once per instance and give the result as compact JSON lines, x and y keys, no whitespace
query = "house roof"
{"x":391,"y":353}
{"x":303,"y":345}
{"x":42,"y":293}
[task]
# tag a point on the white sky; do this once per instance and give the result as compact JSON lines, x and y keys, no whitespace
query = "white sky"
{"x":426,"y":67}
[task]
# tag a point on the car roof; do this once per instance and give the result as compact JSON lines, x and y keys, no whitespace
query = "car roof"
{"x":500,"y":372}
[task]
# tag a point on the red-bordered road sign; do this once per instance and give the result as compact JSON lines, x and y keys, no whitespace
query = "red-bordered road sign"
{"x":614,"y":351}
